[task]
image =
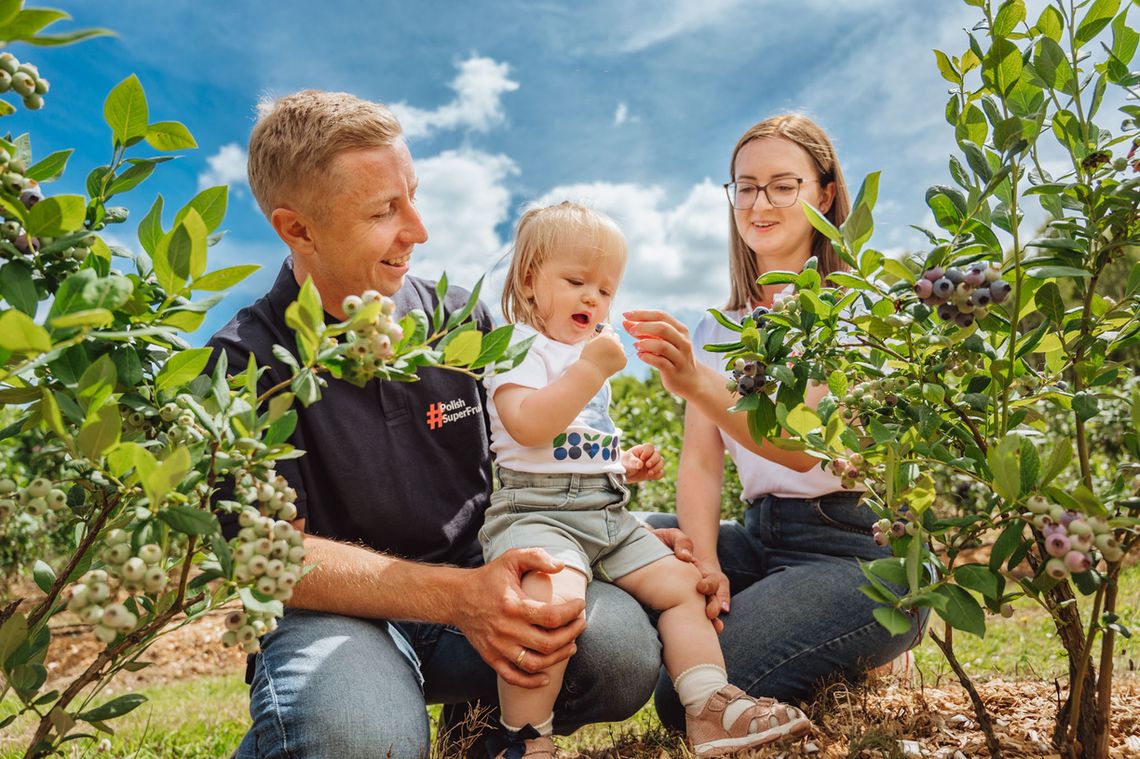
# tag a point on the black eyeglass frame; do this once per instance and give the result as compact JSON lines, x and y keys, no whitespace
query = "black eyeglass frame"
{"x":763,"y":188}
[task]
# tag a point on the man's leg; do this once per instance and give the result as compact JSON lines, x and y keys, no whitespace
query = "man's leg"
{"x":608,"y":680}
{"x":327,"y":685}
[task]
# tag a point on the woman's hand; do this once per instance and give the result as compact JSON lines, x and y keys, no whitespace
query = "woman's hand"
{"x":663,"y":343}
{"x":642,"y":463}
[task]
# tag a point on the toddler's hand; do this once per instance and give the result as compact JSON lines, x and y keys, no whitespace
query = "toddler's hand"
{"x":605,"y":352}
{"x":642,"y":463}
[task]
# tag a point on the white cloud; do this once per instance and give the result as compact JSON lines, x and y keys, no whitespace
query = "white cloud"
{"x":677,"y":253}
{"x":463,"y":199}
{"x":477,"y":106}
{"x":621,"y":115}
{"x":660,"y":22}
{"x":227,"y":167}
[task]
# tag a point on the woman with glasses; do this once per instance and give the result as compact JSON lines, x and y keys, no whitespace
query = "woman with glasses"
{"x":787,"y":579}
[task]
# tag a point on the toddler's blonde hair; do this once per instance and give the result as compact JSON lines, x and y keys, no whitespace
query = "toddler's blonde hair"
{"x":543,"y":232}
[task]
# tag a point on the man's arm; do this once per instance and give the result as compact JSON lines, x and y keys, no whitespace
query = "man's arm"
{"x":487,"y":603}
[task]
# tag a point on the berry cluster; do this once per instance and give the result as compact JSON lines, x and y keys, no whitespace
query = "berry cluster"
{"x":267,"y":554}
{"x":872,"y":394}
{"x":848,"y":469}
{"x":962,"y":296}
{"x":137,"y":571}
{"x":185,"y":428}
{"x":24,"y":79}
{"x":91,"y":599}
{"x":38,"y":498}
{"x":750,"y":377}
{"x":243,"y":628}
{"x":884,"y":529}
{"x":374,"y":343}
{"x":272,"y":496}
{"x":1070,"y":537}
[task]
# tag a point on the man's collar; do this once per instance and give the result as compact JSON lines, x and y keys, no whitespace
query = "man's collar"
{"x":285,"y":289}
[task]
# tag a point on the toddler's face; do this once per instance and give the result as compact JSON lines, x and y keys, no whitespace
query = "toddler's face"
{"x":573,"y":291}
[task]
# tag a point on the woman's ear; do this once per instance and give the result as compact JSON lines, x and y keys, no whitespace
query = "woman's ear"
{"x":828,"y":197}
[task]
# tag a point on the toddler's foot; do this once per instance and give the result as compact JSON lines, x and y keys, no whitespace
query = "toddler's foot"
{"x":526,"y":743}
{"x":765,"y":721}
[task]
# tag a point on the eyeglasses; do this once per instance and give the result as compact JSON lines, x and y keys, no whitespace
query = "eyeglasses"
{"x":781,"y":192}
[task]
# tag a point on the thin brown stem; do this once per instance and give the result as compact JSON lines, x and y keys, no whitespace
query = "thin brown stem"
{"x":980,"y":711}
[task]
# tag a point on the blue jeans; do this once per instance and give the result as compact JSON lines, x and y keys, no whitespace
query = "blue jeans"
{"x":325,"y":685}
{"x":798,"y":619}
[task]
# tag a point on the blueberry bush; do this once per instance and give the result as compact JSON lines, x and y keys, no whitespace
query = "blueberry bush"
{"x":996,"y":359}
{"x":116,"y":436}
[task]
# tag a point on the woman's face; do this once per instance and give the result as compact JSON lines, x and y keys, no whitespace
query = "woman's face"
{"x":780,"y":237}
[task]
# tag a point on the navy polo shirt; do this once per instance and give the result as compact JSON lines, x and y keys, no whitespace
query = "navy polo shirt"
{"x":401,"y":467}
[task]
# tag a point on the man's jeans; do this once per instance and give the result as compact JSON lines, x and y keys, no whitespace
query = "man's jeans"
{"x":798,"y":618}
{"x":331,"y":686}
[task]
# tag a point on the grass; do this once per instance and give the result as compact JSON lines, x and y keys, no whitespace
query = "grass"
{"x":207,"y":717}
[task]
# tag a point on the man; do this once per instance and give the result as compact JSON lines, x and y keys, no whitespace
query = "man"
{"x":393,"y":486}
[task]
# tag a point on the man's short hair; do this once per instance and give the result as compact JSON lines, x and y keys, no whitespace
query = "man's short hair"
{"x":297,"y":136}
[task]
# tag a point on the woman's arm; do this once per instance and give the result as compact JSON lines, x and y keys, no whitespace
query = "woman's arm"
{"x":663,"y":343}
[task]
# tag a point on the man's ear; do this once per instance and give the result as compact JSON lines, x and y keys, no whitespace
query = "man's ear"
{"x":293,"y":229}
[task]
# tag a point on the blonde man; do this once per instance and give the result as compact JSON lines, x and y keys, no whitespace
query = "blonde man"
{"x":392,"y":490}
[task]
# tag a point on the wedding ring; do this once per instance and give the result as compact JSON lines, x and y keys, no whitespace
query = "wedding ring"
{"x":519,"y":658}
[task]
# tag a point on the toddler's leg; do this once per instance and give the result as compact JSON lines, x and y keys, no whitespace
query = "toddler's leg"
{"x":719,"y":717}
{"x":535,"y":706}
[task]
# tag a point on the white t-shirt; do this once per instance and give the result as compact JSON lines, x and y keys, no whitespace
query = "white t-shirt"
{"x":758,"y":475}
{"x":589,"y":445}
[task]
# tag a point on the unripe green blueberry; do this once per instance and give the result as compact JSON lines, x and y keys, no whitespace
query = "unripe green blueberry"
{"x":280,"y":550}
{"x":296,"y":554}
{"x":168,"y":413}
{"x":37,"y":507}
{"x":371,"y":296}
{"x":1079,"y":527}
{"x":99,"y":592}
{"x":39,"y":487}
{"x":1037,"y":504}
{"x":105,"y":634}
{"x":352,"y":304}
{"x":150,"y":553}
{"x":235,"y":620}
{"x":56,"y":499}
{"x":266,"y":585}
{"x":395,"y":333}
{"x":297,"y":538}
{"x":94,"y":577}
{"x":42,"y":86}
{"x":30,"y":69}
{"x":91,"y":615}
{"x":23,"y":83}
{"x":7,"y":506}
{"x":1113,"y":554}
{"x":117,"y":554}
{"x":247,"y":534}
{"x":5,"y":83}
{"x":229,"y":638}
{"x":134,"y":569}
{"x":251,"y":646}
{"x":1120,"y":163}
{"x":286,"y":580}
{"x":245,"y":633}
{"x":78,"y":597}
{"x":9,"y":64}
{"x":1007,"y":610}
{"x":115,"y":615}
{"x":262,"y":546}
{"x":1056,"y":569}
{"x":1106,"y":542}
{"x":185,"y":420}
{"x":287,"y":512}
{"x":242,"y":574}
{"x":257,"y":564}
{"x":1082,"y":542}
{"x":7,"y":486}
{"x":155,"y":580}
{"x":274,"y":568}
{"x":33,"y":102}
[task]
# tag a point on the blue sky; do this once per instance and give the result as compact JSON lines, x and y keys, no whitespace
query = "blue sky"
{"x":631,"y":106}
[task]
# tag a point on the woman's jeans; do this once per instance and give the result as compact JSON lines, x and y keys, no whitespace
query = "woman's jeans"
{"x":331,"y":686}
{"x":798,"y":619}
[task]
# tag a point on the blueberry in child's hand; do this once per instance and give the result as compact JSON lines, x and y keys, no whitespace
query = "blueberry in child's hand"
{"x":599,"y":327}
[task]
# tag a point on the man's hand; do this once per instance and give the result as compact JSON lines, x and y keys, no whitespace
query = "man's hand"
{"x":642,"y":462}
{"x":500,"y":621}
{"x":605,"y":352}
{"x":713,"y":584}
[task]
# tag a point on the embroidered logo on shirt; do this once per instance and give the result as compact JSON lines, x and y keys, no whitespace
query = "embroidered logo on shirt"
{"x":572,"y":445}
{"x":439,"y":414}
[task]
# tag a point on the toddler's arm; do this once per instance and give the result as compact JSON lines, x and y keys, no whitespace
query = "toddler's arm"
{"x":533,"y":416}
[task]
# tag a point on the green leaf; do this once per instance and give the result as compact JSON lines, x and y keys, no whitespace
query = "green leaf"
{"x":164,"y":477}
{"x":13,"y":633}
{"x":1049,"y":302}
{"x":946,"y":213}
{"x":101,"y":432}
{"x":28,"y":22}
{"x":1051,"y":23}
{"x":8,"y":11}
{"x":891,"y":618}
{"x":464,"y":348}
{"x":801,"y":420}
{"x":972,"y":126}
{"x":20,"y":334}
{"x":495,"y":343}
{"x":1085,"y":406}
{"x":223,"y":279}
{"x":17,"y":288}
{"x":150,"y":228}
{"x":1051,"y":64}
{"x":181,"y":368}
{"x":1006,"y":543}
{"x":1050,"y":272}
{"x":50,"y":168}
{"x":946,"y":68}
{"x":56,"y":215}
{"x":980,"y":578}
{"x":169,"y":135}
{"x":461,"y":315}
{"x":1059,"y":460}
{"x":209,"y":204}
{"x":1098,"y":17}
{"x":1004,"y":462}
{"x":130,"y":179}
{"x":1011,"y":13}
{"x":44,"y":575}
{"x":821,"y":222}
{"x":116,"y":707}
{"x":1002,"y":66}
{"x":1124,"y":39}
{"x":962,"y":610}
{"x":125,"y":111}
{"x":91,"y":317}
{"x":189,"y":520}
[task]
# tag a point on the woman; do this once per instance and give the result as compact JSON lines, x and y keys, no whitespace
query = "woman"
{"x":788,"y":579}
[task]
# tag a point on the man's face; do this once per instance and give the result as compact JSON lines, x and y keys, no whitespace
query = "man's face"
{"x":367,"y":224}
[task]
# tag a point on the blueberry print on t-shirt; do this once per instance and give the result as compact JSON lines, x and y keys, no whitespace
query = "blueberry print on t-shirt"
{"x":602,"y":444}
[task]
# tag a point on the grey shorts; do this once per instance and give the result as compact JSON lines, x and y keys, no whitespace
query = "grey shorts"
{"x":579,"y":519}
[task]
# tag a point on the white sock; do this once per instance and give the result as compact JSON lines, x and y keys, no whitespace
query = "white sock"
{"x":696,"y":685}
{"x":546,"y":727}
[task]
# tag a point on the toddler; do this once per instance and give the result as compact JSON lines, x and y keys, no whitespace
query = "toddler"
{"x":562,"y":471}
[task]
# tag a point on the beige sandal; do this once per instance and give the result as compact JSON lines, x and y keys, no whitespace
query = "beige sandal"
{"x":765,"y":721}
